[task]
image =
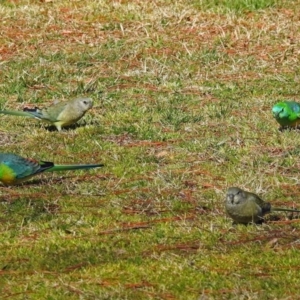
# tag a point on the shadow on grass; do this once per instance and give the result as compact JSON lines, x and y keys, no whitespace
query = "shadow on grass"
{"x":52,"y":128}
{"x":26,"y":209}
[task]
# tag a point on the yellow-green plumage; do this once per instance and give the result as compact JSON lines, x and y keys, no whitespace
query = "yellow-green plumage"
{"x":7,"y":174}
{"x":60,"y":114}
{"x":15,"y":169}
{"x":245,"y":207}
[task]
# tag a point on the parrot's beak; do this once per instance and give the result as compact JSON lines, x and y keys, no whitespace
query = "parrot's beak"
{"x":276,"y":112}
{"x":230,"y":198}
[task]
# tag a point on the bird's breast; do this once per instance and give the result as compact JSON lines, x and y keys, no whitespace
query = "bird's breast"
{"x":7,"y":175}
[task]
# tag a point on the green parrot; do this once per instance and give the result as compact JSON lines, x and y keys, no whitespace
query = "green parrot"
{"x":15,"y":169}
{"x":287,"y":113}
{"x":60,"y":114}
{"x":245,"y":207}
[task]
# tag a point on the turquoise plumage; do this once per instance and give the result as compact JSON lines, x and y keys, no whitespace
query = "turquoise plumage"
{"x":15,"y":169}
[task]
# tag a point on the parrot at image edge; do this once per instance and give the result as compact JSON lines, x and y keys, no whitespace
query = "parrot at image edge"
{"x":245,"y":207}
{"x":287,"y":113}
{"x":60,"y":114}
{"x":15,"y":169}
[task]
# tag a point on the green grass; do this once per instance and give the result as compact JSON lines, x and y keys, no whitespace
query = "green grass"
{"x":237,"y":5}
{"x":183,"y":94}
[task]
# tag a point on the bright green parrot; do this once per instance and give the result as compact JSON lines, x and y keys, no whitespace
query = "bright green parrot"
{"x":15,"y":169}
{"x":59,"y":114}
{"x":287,"y":113}
{"x":245,"y":207}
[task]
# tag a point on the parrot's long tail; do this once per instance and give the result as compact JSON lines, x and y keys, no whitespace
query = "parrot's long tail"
{"x":73,"y":167}
{"x":286,"y":209}
{"x":21,"y":113}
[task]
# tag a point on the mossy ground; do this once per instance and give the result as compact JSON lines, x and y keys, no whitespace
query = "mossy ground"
{"x":183,"y":92}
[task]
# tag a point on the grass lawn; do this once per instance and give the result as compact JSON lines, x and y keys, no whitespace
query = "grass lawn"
{"x":182,"y":92}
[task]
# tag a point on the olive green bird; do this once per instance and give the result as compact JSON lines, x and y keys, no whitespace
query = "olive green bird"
{"x":245,"y":207}
{"x":287,"y":114}
{"x":15,"y":169}
{"x":60,"y":114}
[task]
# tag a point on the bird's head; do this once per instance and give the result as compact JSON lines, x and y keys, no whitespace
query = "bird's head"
{"x":234,"y":195}
{"x":279,"y":110}
{"x":84,"y":103}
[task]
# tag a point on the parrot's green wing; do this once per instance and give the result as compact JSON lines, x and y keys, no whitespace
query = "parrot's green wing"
{"x":265,"y":206}
{"x":52,"y":113}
